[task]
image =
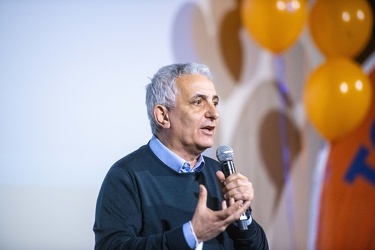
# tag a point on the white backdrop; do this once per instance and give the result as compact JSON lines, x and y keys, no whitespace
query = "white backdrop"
{"x":72,"y":79}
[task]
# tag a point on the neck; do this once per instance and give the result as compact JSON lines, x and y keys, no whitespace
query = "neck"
{"x":190,"y":156}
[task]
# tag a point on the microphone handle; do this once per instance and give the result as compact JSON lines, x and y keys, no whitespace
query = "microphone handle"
{"x":228,"y":167}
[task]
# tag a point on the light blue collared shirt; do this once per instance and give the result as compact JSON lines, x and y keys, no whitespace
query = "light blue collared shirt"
{"x":171,"y":159}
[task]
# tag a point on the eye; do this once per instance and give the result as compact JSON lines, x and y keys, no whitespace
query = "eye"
{"x":216,"y":102}
{"x":197,"y":101}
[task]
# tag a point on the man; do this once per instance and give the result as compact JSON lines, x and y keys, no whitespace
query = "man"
{"x":166,"y":194}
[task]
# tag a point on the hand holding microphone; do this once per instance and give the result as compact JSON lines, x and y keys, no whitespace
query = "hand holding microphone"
{"x":208,"y":223}
{"x":225,"y":156}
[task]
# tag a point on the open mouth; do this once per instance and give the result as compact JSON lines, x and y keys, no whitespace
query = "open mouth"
{"x":209,"y":128}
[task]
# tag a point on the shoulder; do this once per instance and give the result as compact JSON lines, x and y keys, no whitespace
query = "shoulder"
{"x":211,"y":163}
{"x":136,"y":159}
{"x":210,"y":160}
{"x":126,"y":168}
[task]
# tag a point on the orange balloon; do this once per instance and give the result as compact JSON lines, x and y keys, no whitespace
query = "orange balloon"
{"x":341,"y":27}
{"x":275,"y":24}
{"x":336,"y":97}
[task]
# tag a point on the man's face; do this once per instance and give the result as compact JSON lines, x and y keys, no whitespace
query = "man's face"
{"x":194,"y":119}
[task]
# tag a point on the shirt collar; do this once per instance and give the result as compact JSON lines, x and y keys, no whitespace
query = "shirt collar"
{"x":171,"y":159}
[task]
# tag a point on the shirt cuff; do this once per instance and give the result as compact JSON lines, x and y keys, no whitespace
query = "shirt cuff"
{"x":248,"y":221}
{"x":189,"y":234}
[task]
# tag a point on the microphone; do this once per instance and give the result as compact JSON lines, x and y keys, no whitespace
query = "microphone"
{"x":225,"y":156}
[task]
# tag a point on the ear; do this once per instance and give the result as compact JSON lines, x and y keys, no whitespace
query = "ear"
{"x":161,"y":116}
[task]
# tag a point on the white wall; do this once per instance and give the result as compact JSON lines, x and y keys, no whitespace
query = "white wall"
{"x":72,"y":79}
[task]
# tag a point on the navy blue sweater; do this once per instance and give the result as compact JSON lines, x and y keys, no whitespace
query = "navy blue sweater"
{"x":143,"y":204}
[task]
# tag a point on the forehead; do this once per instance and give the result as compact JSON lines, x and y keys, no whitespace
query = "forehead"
{"x":192,"y":84}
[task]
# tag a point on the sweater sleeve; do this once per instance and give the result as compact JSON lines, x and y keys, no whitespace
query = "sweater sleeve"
{"x":253,"y":238}
{"x":118,"y":218}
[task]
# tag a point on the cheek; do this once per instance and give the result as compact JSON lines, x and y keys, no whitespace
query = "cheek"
{"x":189,"y":118}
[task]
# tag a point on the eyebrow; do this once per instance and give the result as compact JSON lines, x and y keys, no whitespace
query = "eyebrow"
{"x":215,"y":97}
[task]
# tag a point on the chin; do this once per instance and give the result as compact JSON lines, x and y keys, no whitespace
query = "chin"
{"x":206,"y":145}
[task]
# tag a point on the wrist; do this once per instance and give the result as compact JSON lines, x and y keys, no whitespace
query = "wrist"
{"x":189,"y":235}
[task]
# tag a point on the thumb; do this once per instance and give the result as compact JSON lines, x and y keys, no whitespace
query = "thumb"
{"x":220,"y":176}
{"x":202,"y":201}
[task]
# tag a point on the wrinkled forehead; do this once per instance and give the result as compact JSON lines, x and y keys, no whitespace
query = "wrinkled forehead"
{"x":195,"y":83}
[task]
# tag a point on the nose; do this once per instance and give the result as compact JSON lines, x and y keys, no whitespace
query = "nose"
{"x":212,"y":112}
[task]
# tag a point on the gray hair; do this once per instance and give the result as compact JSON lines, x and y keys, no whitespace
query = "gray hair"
{"x":162,"y":90}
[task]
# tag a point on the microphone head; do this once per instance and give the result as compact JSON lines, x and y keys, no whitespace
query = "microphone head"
{"x":224,"y":153}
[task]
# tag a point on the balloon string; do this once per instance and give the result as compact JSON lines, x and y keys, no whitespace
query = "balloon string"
{"x":284,"y":103}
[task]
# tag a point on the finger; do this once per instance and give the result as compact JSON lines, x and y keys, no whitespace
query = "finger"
{"x":221,"y":177}
{"x":236,"y":176}
{"x":231,"y":201}
{"x":228,"y":213}
{"x":233,"y":212}
{"x":239,"y":189}
{"x":243,"y":207}
{"x":224,"y":205}
{"x":240,"y":193}
{"x":202,"y":201}
{"x":236,"y":180}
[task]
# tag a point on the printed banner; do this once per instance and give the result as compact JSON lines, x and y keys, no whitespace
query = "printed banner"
{"x":347,"y":207}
